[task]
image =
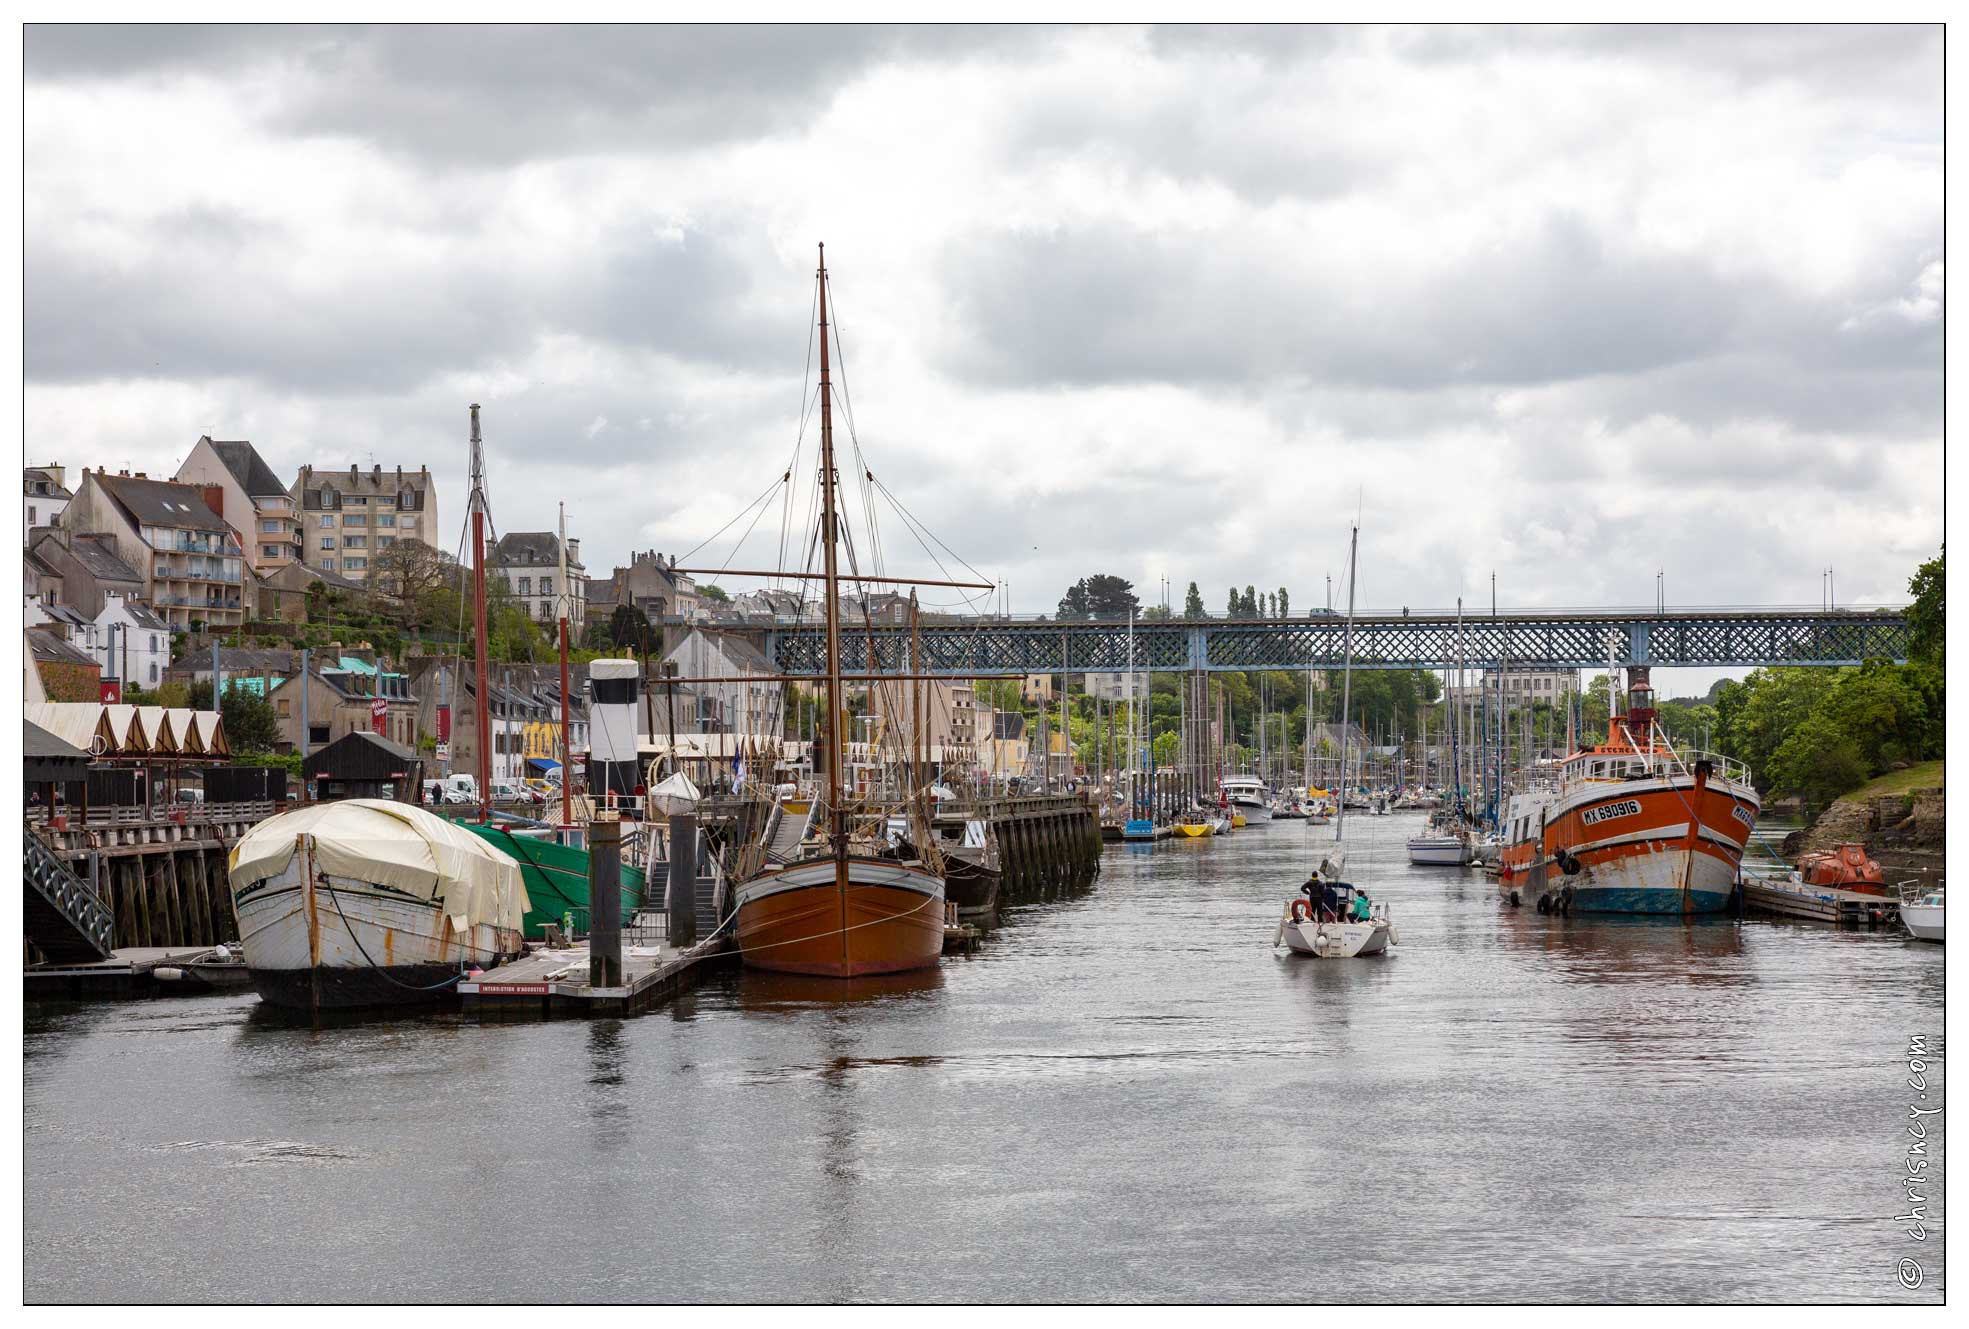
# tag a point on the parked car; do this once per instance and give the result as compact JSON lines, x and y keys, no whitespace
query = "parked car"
{"x":513,"y":791}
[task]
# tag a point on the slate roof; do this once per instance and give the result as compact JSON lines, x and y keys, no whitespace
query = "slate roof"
{"x":141,"y":616}
{"x":247,"y":467}
{"x":522,"y":549}
{"x":41,"y":565}
{"x":98,"y":558}
{"x":63,"y":614}
{"x":1008,"y":725}
{"x":243,"y":660}
{"x":55,"y":650}
{"x":161,"y":502}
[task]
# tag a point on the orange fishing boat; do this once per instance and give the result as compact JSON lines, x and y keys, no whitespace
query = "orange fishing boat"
{"x":1631,"y":826}
{"x":855,"y":899}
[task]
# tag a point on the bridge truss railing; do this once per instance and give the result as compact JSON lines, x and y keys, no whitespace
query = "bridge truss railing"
{"x":1529,"y":641}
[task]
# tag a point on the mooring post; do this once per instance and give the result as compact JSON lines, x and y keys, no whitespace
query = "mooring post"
{"x":605,"y":901}
{"x":683,"y":879}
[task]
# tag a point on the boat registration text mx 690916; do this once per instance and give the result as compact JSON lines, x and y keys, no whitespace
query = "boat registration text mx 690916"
{"x":1627,"y":807}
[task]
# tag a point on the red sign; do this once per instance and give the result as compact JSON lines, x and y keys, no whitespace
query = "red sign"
{"x":444,"y":724}
{"x":379,"y":711}
{"x":112,"y":692}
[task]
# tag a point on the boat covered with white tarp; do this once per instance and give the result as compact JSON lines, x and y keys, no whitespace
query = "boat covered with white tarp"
{"x":369,"y":902}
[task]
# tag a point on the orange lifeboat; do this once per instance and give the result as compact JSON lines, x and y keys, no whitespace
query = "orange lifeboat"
{"x":1845,"y":867}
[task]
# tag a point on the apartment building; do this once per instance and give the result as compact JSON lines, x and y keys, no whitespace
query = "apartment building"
{"x":252,"y":500}
{"x":174,"y":536}
{"x":348,"y":517}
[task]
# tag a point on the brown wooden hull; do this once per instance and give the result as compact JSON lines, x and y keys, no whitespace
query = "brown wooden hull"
{"x":887,"y":918}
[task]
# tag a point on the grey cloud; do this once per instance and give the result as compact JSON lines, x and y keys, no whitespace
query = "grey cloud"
{"x":221,"y":296}
{"x":1107,"y":304}
{"x":491,"y":95}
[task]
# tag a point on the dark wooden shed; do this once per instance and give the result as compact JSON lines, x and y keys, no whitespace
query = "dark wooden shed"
{"x":364,"y":765}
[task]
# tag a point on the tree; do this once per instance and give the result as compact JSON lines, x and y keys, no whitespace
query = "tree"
{"x":1925,"y":617}
{"x":1192,"y":603}
{"x":1236,"y":605}
{"x":399,"y":579}
{"x":252,"y":725}
{"x":629,"y":630}
{"x":1250,"y":602}
{"x":1284,"y":604}
{"x":715,"y":594}
{"x":1101,"y":596}
{"x":1819,"y":760}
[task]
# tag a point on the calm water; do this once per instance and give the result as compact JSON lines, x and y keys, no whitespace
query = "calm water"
{"x":1122,"y":1096}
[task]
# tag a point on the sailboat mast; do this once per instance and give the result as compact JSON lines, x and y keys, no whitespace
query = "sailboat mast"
{"x":1347,"y":686}
{"x":567,"y":752}
{"x":836,"y":818}
{"x":482,"y":706}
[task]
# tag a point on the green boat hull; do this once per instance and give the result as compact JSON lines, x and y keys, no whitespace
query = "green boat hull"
{"x":557,"y":879}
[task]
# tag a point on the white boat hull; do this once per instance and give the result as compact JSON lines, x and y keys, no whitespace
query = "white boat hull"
{"x":315,"y":941}
{"x":1924,"y":921}
{"x":1336,"y":941}
{"x":1448,"y":853}
{"x":1254,"y":813}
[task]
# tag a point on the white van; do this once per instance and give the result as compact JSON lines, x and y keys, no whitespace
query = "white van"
{"x":460,"y":789}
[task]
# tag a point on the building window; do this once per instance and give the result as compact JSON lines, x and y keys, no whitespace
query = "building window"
{"x":526,"y":586}
{"x":328,"y":542}
{"x":546,"y":585}
{"x":269,"y":528}
{"x":386,"y":519}
{"x":280,"y":705}
{"x":546,"y":610}
{"x":385,"y":541}
{"x":355,"y":542}
{"x":30,"y":514}
{"x":153,"y":673}
{"x":327,"y":519}
{"x":356,"y":500}
{"x":354,"y":564}
{"x":355,"y":519}
{"x":270,"y":551}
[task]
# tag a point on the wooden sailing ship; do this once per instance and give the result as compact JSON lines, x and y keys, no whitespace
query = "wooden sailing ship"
{"x":855,"y":898}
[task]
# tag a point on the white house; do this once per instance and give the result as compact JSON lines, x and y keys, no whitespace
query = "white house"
{"x":750,"y":703}
{"x":130,"y":642}
{"x":44,"y":497}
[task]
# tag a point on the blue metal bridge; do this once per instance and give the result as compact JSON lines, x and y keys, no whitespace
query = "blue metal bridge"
{"x":1522,"y":640}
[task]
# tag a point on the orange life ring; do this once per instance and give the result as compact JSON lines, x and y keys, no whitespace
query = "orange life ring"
{"x":1301,"y":910}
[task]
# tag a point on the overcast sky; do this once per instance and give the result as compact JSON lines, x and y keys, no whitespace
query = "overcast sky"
{"x":1570,"y":305}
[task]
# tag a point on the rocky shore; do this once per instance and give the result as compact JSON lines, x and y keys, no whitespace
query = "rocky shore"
{"x":1904,"y":832}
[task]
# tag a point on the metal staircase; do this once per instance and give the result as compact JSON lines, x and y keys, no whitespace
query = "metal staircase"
{"x":63,"y":918}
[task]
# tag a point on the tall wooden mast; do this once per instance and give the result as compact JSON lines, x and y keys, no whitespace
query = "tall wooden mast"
{"x":482,"y":707}
{"x":829,"y":532}
{"x":567,"y":758}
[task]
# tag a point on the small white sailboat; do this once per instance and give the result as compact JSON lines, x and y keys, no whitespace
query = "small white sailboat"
{"x":1331,"y":918}
{"x":1442,"y":851}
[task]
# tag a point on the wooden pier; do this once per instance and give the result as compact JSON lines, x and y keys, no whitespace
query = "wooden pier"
{"x":551,"y":983}
{"x":1826,"y":904}
{"x":130,"y":972}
